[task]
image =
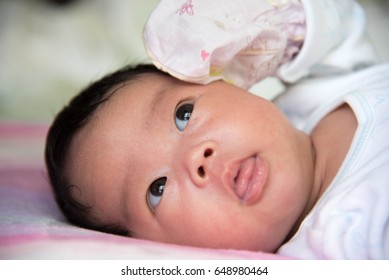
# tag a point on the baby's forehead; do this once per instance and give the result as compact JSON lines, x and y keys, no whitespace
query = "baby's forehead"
{"x":97,"y":144}
{"x":95,"y":166}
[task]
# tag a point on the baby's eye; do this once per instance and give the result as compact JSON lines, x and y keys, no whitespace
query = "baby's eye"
{"x":183,"y":114}
{"x":155,"y":191}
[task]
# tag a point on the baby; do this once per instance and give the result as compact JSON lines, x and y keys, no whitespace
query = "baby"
{"x":210,"y":166}
{"x":143,"y":154}
{"x":146,"y":155}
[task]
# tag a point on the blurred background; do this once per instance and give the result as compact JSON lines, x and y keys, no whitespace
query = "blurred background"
{"x":50,"y":49}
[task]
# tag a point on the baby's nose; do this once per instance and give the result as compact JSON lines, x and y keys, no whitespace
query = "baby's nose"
{"x":199,"y":162}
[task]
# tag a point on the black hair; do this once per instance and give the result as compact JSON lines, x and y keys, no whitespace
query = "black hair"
{"x":65,"y":126}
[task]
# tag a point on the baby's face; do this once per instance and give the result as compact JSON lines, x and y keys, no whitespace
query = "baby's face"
{"x":209,"y":166}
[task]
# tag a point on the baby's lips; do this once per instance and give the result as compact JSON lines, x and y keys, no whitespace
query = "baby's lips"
{"x":250,"y":180}
{"x":243,"y":177}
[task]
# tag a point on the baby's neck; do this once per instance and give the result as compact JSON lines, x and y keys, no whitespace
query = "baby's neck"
{"x":331,"y":140}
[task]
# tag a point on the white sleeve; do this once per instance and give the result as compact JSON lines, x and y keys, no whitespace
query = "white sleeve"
{"x":240,"y":42}
{"x":335,"y":41}
{"x":243,"y":42}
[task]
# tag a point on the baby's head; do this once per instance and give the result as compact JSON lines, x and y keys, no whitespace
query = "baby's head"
{"x":67,"y":124}
{"x":142,"y":154}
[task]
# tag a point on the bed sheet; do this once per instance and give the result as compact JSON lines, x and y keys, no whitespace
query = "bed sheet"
{"x":32,"y":226}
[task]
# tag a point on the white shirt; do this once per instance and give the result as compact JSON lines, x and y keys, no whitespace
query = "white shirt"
{"x":351,"y":219}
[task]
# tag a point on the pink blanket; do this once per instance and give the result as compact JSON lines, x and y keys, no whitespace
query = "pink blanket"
{"x":32,"y":227}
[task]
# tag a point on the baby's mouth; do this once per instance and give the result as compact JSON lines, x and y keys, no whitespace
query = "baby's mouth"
{"x":250,"y":179}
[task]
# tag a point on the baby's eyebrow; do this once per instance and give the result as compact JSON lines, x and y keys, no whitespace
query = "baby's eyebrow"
{"x":124,"y":194}
{"x":158,"y":99}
